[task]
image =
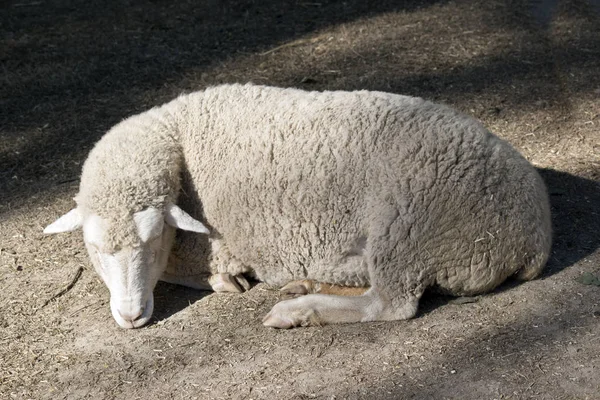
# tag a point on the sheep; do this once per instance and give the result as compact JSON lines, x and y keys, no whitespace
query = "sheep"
{"x":305,"y":190}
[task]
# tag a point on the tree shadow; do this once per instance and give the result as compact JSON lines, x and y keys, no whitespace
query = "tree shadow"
{"x":521,"y":79}
{"x":70,"y":73}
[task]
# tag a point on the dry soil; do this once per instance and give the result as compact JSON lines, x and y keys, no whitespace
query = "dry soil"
{"x":71,"y":69}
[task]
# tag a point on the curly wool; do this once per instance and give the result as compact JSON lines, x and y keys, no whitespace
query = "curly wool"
{"x":134,"y":166}
{"x":350,"y":188}
{"x":358,"y":188}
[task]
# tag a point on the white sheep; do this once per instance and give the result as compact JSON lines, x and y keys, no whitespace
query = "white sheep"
{"x":347,"y":188}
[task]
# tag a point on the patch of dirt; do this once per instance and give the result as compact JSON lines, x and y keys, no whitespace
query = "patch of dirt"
{"x":70,"y":70}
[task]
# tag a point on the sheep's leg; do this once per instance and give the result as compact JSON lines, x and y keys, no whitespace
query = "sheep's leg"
{"x":307,"y":286}
{"x":199,"y":282}
{"x":319,"y":309}
{"x":396,"y":286}
{"x":222,"y":283}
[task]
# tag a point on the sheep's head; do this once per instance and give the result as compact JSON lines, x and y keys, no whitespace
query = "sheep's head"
{"x":131,"y":269}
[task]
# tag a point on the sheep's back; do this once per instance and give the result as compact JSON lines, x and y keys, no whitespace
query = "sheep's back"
{"x":292,"y":182}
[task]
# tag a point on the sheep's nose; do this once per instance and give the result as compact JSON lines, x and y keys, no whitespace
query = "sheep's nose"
{"x":132,"y":312}
{"x":131,"y":315}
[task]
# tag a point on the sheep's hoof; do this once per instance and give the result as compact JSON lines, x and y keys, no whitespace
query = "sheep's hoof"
{"x":286,"y":314}
{"x":241,"y":280}
{"x":307,"y":286}
{"x":227,"y":283}
{"x":298,"y":288}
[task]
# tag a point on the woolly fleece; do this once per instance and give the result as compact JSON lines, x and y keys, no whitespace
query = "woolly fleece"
{"x":350,"y":188}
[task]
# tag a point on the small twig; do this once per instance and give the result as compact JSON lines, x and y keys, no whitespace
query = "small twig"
{"x":67,"y":288}
{"x":289,"y":44}
{"x":67,"y":181}
{"x":86,"y":306}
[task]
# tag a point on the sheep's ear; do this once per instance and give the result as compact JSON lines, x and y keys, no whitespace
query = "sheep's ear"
{"x":67,"y":223}
{"x":178,"y":218}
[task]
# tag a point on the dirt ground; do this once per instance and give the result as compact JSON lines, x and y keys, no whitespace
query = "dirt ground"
{"x":71,"y":69}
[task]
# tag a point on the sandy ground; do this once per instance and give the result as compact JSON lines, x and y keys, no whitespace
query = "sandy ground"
{"x":70,"y":70}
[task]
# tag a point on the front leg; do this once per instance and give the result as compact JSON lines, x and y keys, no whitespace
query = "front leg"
{"x":199,"y":282}
{"x":220,"y":283}
{"x":307,"y":286}
{"x":186,"y":273}
{"x":320,"y":309}
{"x":227,"y":283}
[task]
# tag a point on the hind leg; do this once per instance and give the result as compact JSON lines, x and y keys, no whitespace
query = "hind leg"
{"x":199,"y":282}
{"x":393,"y":298}
{"x":308,"y":286}
{"x":227,"y":283}
{"x":321,"y":309}
{"x":398,"y":279}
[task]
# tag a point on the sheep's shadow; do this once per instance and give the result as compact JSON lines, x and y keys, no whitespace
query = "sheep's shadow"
{"x":169,"y":299}
{"x":575,"y":205}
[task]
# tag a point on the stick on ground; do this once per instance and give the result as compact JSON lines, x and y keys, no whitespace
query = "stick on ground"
{"x":67,"y":288}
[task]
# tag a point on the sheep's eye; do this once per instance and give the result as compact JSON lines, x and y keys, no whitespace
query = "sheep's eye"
{"x":99,"y":256}
{"x":96,"y":248}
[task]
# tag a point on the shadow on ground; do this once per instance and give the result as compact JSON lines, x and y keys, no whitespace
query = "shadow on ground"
{"x":170,"y":299}
{"x":70,"y":72}
{"x":575,"y":218}
{"x":521,"y":354}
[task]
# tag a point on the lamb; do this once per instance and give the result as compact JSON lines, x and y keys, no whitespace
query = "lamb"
{"x":305,"y":190}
